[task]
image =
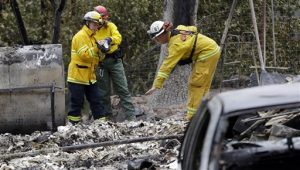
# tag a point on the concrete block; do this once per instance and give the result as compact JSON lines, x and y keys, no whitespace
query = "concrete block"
{"x":28,"y":74}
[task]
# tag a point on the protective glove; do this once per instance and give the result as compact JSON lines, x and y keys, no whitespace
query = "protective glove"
{"x":103,"y":45}
{"x":150,"y":91}
{"x":109,"y":40}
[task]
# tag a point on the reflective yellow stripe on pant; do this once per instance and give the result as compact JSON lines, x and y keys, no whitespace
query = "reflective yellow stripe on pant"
{"x":200,"y":79}
{"x":74,"y":118}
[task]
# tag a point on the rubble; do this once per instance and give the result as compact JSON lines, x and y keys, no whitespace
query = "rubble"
{"x":40,"y":150}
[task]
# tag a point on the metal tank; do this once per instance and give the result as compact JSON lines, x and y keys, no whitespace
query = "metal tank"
{"x":32,"y":88}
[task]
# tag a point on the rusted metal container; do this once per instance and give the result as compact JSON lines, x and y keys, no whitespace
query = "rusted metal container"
{"x":32,"y":84}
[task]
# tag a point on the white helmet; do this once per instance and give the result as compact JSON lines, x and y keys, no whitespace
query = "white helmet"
{"x":156,"y":29}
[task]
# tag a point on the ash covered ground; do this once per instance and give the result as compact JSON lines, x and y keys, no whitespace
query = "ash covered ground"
{"x":42,"y":150}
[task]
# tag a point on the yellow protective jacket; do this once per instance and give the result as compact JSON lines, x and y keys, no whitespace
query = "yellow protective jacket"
{"x":180,"y":47}
{"x":110,"y":30}
{"x":84,"y":58}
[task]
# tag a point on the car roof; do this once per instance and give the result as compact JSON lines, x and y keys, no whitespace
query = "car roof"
{"x":260,"y":96}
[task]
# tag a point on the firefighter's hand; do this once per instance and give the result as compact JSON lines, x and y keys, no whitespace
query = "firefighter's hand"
{"x":103,"y":45}
{"x":100,"y":44}
{"x":152,"y":90}
{"x":108,"y":40}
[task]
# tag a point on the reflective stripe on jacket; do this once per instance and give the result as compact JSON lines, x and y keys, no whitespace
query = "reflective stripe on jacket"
{"x":180,"y":47}
{"x":84,"y":58}
{"x":110,"y":30}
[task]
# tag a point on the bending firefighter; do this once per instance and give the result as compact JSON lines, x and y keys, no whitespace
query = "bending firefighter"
{"x":186,"y":45}
{"x":81,"y":71}
{"x":112,"y":69}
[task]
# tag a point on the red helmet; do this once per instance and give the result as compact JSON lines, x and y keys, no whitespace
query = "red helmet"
{"x":101,"y":10}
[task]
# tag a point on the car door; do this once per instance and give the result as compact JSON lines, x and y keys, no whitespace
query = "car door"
{"x":195,"y":149}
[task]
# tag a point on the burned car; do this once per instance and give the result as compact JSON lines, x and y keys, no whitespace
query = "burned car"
{"x":253,"y":128}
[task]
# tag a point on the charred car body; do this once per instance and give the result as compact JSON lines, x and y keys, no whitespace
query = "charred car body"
{"x":254,"y":128}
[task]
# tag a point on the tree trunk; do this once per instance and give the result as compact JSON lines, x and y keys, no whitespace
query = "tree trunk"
{"x":14,"y":5}
{"x":174,"y":91}
{"x":57,"y":14}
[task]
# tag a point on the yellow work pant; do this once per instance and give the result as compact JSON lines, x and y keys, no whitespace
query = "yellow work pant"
{"x":199,"y":82}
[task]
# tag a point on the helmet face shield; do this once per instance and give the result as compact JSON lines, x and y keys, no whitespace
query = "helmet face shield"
{"x":151,"y":35}
{"x":154,"y":35}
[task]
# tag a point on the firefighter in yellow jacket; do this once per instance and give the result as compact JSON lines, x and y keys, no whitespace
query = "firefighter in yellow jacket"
{"x":85,"y":57}
{"x":186,"y":44}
